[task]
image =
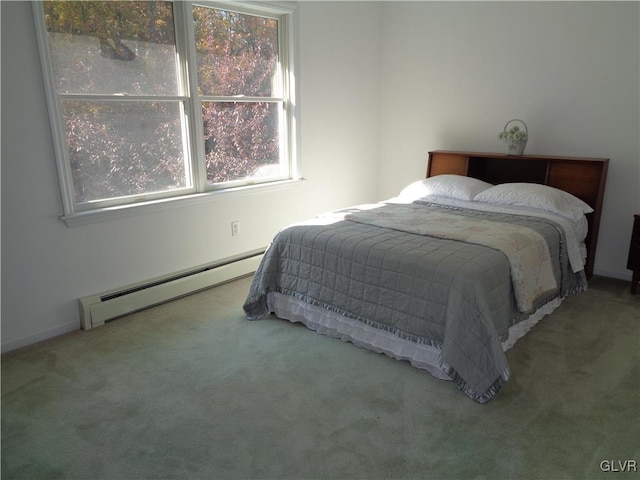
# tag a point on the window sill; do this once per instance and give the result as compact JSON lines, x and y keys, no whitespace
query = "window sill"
{"x":123,"y":211}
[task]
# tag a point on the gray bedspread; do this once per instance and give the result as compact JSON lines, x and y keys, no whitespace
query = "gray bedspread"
{"x":454,"y":295}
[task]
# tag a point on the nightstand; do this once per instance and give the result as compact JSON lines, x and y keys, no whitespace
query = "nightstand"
{"x":634,"y":254}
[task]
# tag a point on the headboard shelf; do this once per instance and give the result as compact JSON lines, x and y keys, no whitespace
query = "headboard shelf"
{"x":583,"y":177}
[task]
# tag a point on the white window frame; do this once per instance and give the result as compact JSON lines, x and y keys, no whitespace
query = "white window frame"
{"x":197,"y":188}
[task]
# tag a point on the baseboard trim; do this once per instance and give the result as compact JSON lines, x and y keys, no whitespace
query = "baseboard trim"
{"x":41,"y":336}
{"x":613,"y":274}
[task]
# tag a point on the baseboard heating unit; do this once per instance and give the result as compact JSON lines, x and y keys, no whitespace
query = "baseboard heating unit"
{"x":97,"y":309}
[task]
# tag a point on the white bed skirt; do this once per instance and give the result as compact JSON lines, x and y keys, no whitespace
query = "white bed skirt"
{"x":426,"y":357}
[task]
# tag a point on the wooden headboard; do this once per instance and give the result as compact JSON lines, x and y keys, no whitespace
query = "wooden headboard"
{"x":584,"y":178}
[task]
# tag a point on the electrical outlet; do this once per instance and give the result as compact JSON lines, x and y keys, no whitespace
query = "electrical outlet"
{"x":235,"y":229}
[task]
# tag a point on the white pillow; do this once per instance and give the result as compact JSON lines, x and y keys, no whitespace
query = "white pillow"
{"x":449,"y":186}
{"x":533,"y":195}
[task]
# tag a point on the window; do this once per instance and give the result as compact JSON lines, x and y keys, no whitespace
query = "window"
{"x":151,"y":100}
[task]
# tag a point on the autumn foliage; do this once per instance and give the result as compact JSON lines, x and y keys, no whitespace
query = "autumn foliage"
{"x":122,"y":148}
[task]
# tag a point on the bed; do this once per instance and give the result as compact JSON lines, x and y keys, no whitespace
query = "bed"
{"x":449,"y":274}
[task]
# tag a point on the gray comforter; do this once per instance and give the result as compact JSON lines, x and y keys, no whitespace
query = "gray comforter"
{"x":454,"y":295}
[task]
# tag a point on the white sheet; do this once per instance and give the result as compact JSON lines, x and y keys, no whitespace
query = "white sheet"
{"x":575,"y":232}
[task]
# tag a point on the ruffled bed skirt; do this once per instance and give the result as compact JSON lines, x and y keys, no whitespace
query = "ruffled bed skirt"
{"x":423,"y":356}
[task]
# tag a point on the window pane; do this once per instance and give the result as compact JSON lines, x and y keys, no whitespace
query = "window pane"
{"x":241,"y":140}
{"x":124,"y":148}
{"x":112,"y":47}
{"x":237,"y":54}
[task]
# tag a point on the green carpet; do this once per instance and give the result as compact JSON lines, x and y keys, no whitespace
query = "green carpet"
{"x":192,"y":390}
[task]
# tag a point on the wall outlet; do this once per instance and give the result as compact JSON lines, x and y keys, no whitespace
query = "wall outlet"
{"x":235,"y":229}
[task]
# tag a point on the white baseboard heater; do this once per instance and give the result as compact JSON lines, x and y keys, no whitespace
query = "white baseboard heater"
{"x":95,"y":310}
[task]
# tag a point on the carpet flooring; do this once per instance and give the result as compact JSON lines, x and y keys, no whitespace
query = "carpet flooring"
{"x":192,"y":390}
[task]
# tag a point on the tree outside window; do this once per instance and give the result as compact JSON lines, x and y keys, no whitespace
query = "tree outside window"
{"x":157,"y":99}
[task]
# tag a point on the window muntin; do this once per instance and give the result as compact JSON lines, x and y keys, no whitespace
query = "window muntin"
{"x":129,"y":131}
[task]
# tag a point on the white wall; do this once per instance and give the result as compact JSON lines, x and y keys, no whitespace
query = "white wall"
{"x":429,"y":75}
{"x":455,"y":72}
{"x":46,"y":266}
